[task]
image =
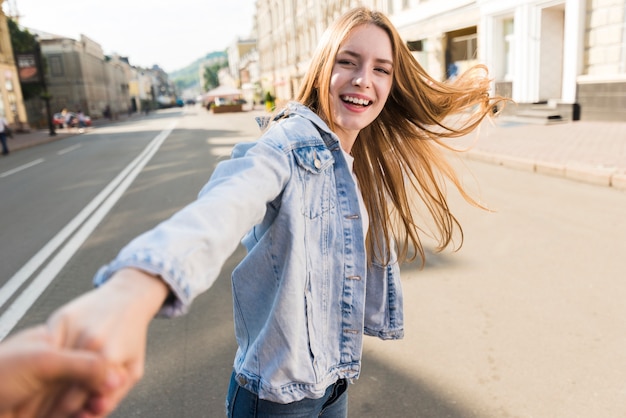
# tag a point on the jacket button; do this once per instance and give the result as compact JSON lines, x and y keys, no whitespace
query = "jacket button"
{"x":241,"y":380}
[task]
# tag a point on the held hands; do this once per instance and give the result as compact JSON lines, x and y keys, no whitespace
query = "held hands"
{"x":109,"y":327}
{"x":33,"y":367}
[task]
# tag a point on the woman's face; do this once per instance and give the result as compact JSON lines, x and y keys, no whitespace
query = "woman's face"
{"x":361,"y":81}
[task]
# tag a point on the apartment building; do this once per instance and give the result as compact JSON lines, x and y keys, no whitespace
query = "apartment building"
{"x":81,"y":77}
{"x":11,"y":102}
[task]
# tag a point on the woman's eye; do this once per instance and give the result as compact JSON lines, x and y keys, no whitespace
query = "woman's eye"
{"x":383,"y":70}
{"x":344,"y":62}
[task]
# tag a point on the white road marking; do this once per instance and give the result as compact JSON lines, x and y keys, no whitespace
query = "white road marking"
{"x":22,"y":167}
{"x":99,"y":206}
{"x":69,"y":149}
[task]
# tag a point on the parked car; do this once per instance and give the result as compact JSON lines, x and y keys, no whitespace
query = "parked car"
{"x":70,"y":118}
{"x":58,"y":120}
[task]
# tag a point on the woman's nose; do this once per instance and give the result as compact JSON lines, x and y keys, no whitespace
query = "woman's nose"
{"x":360,"y":80}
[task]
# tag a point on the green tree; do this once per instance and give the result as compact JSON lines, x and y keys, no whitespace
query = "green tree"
{"x":211,"y":80}
{"x":187,"y":77}
{"x":24,"y":41}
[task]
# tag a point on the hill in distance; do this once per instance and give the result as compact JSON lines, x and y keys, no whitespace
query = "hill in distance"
{"x":187,"y":79}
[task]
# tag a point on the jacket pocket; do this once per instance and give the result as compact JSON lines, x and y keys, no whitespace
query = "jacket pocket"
{"x":316,"y":174}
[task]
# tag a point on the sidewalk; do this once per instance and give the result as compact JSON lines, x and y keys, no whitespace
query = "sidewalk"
{"x":587,"y":151}
{"x":592,"y":152}
{"x":36,"y":137}
{"x":23,"y":140}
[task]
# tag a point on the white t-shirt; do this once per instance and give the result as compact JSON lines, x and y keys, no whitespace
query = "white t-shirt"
{"x":364,"y":215}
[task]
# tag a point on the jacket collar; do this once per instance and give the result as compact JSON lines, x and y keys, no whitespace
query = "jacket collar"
{"x":296,"y":108}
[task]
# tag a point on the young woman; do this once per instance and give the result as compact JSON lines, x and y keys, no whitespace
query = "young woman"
{"x":321,"y":201}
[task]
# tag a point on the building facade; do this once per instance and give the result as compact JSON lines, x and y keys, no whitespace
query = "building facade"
{"x":11,"y":102}
{"x":442,"y":35}
{"x":235,"y":52}
{"x":80,"y":77}
{"x":249,"y":77}
{"x":77,"y":76}
{"x":601,"y":85}
{"x":565,"y":55}
{"x":287,"y":33}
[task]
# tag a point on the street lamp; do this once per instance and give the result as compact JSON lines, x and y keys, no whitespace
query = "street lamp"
{"x":42,"y":77}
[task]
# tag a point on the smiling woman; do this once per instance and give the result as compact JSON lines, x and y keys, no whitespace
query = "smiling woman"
{"x":361,"y":82}
{"x":322,"y":203}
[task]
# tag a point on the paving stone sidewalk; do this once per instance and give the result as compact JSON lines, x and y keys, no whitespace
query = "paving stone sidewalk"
{"x":592,"y":152}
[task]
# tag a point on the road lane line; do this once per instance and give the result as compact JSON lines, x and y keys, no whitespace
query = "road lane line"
{"x":22,"y":275}
{"x":110,"y":195}
{"x":69,"y":149}
{"x":22,"y":167}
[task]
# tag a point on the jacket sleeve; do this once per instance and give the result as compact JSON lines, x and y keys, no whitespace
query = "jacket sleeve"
{"x":188,"y":250}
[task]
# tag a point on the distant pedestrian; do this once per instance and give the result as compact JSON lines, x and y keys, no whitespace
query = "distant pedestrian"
{"x":64,"y":115}
{"x":4,"y":131}
{"x":81,"y":121}
{"x":453,"y":71}
{"x":69,"y":119}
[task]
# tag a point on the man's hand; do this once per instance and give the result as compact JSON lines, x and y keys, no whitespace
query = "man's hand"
{"x":33,"y":368}
{"x":112,"y":321}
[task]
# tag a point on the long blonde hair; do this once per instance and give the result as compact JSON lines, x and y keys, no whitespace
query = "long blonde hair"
{"x":399,"y":156}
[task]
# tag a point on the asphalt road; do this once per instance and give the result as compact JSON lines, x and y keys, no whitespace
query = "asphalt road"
{"x":525,"y":320}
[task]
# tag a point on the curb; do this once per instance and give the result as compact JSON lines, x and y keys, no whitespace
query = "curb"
{"x":25,"y":140}
{"x":618,"y":181}
{"x":596,"y":175}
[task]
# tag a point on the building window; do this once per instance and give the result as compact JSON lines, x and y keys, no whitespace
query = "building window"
{"x":415,"y":46}
{"x":464,"y":47}
{"x":509,"y":38}
{"x":56,"y":65}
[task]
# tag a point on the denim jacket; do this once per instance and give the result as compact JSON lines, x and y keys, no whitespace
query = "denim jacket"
{"x":305,"y":294}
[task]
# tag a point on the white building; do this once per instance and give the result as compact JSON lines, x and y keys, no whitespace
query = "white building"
{"x":287,"y":34}
{"x":568,"y":52}
{"x":569,"y":55}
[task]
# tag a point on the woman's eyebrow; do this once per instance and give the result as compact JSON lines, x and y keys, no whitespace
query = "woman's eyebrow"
{"x":357,"y":55}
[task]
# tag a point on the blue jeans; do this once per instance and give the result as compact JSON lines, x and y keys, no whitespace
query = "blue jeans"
{"x":241,"y":403}
{"x":3,"y":140}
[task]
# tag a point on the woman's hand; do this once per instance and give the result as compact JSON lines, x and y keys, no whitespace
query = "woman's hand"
{"x":111,"y":320}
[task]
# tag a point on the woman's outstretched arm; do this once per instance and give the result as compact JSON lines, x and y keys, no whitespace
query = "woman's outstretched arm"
{"x":111,"y":320}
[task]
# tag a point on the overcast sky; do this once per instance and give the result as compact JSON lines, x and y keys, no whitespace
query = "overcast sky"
{"x":169,"y":33}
